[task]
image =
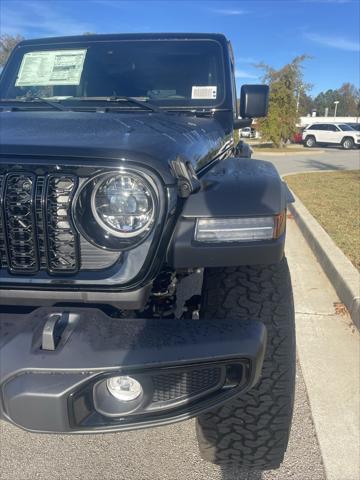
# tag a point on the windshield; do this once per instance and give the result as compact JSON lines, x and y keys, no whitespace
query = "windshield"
{"x":345,"y":128}
{"x":168,"y":73}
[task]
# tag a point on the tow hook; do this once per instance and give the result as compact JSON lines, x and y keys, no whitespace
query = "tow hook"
{"x":57,"y":327}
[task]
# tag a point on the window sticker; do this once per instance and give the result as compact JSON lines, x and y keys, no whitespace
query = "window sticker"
{"x":203,"y":93}
{"x":52,"y":67}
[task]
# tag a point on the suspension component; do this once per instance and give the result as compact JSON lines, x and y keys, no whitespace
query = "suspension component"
{"x":162,"y":300}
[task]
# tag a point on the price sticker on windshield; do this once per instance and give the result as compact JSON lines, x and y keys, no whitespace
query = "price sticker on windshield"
{"x":203,"y":92}
{"x":51,"y":67}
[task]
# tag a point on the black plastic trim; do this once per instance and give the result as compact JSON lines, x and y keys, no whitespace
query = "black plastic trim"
{"x":38,"y":386}
{"x":184,"y":252}
{"x":234,"y":187}
{"x":128,"y":299}
{"x":238,"y":186}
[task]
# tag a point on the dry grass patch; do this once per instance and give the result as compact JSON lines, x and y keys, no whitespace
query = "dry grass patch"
{"x":333,"y":198}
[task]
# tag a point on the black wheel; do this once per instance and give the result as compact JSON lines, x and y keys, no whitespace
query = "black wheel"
{"x":253,"y":430}
{"x":310,"y":141}
{"x":347,"y":143}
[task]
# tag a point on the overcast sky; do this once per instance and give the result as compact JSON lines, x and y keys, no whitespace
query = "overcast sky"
{"x":270,"y":31}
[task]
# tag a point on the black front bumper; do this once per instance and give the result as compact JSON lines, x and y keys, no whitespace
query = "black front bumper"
{"x":53,"y":373}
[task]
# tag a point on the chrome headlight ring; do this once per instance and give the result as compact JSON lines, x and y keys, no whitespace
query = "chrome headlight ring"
{"x":128,"y":204}
{"x":114,"y":213}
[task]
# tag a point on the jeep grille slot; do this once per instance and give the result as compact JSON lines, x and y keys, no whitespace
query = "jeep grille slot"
{"x":35,"y":223}
{"x":62,"y":241}
{"x":40,"y":220}
{"x":19,"y":222}
{"x":3,"y":259}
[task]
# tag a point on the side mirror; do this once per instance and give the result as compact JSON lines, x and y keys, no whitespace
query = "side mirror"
{"x":254,"y":101}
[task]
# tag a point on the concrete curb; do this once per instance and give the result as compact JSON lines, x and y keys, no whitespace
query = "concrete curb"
{"x":340,"y":271}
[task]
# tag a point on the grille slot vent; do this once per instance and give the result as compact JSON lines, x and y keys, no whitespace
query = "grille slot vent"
{"x":19,"y":222}
{"x":3,"y":259}
{"x":40,"y":220}
{"x":62,"y":239}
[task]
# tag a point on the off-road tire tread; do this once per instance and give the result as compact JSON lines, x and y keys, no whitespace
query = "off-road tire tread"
{"x":253,"y":431}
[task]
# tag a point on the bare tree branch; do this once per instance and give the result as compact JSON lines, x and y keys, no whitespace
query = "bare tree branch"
{"x":7,"y":45}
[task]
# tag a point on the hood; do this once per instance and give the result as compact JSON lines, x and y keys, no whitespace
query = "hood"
{"x":151,"y":138}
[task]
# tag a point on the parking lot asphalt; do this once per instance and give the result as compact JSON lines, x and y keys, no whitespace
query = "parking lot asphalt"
{"x":333,"y":158}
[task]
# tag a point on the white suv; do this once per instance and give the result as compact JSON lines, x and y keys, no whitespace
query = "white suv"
{"x":334,"y":133}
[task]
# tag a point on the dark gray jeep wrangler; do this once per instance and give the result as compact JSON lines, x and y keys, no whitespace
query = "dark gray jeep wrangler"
{"x":143,"y":278}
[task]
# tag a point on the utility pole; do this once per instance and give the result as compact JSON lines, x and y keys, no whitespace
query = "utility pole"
{"x":298,"y":101}
{"x":336,"y":104}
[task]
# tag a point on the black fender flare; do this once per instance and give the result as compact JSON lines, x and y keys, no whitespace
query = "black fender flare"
{"x":234,"y":187}
{"x":239,"y":187}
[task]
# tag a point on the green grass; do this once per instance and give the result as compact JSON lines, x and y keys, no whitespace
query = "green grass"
{"x":333,"y":198}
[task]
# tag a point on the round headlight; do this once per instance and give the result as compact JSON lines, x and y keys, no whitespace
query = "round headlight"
{"x":123,"y":204}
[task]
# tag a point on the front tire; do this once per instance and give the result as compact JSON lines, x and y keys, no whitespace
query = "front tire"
{"x":253,"y":430}
{"x":310,"y":141}
{"x":347,"y":143}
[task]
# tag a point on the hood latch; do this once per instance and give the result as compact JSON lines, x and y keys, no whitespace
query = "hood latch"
{"x":188,"y":182}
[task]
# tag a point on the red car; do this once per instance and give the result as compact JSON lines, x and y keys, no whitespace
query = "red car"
{"x":297,"y":137}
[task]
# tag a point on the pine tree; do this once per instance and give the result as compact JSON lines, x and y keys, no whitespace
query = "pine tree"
{"x":286,"y":86}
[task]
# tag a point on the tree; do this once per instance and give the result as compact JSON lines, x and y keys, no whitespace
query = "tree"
{"x":325,"y":100}
{"x":306,"y":104}
{"x":7,"y":45}
{"x":348,"y":97}
{"x":286,"y":88}
{"x":349,"y":100}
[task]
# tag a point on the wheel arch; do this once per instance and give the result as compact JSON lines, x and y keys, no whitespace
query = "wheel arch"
{"x":235,"y":187}
{"x":239,"y":186}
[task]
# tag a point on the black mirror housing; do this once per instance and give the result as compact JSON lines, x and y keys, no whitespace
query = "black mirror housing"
{"x":254,"y":101}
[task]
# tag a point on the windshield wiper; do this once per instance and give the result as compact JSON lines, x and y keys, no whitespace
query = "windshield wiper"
{"x":117,"y":99}
{"x":55,"y":105}
{"x":59,"y":106}
{"x":135,"y":101}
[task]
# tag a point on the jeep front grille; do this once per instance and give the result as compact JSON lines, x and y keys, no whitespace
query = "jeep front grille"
{"x":35,"y":223}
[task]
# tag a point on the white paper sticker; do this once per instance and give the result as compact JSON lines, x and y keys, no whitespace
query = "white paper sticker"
{"x":52,"y":67}
{"x":203,"y":93}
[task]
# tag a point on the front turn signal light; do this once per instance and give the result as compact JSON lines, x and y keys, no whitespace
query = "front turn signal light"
{"x":239,"y":229}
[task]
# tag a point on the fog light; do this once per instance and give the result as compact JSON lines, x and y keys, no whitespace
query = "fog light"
{"x":124,"y":388}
